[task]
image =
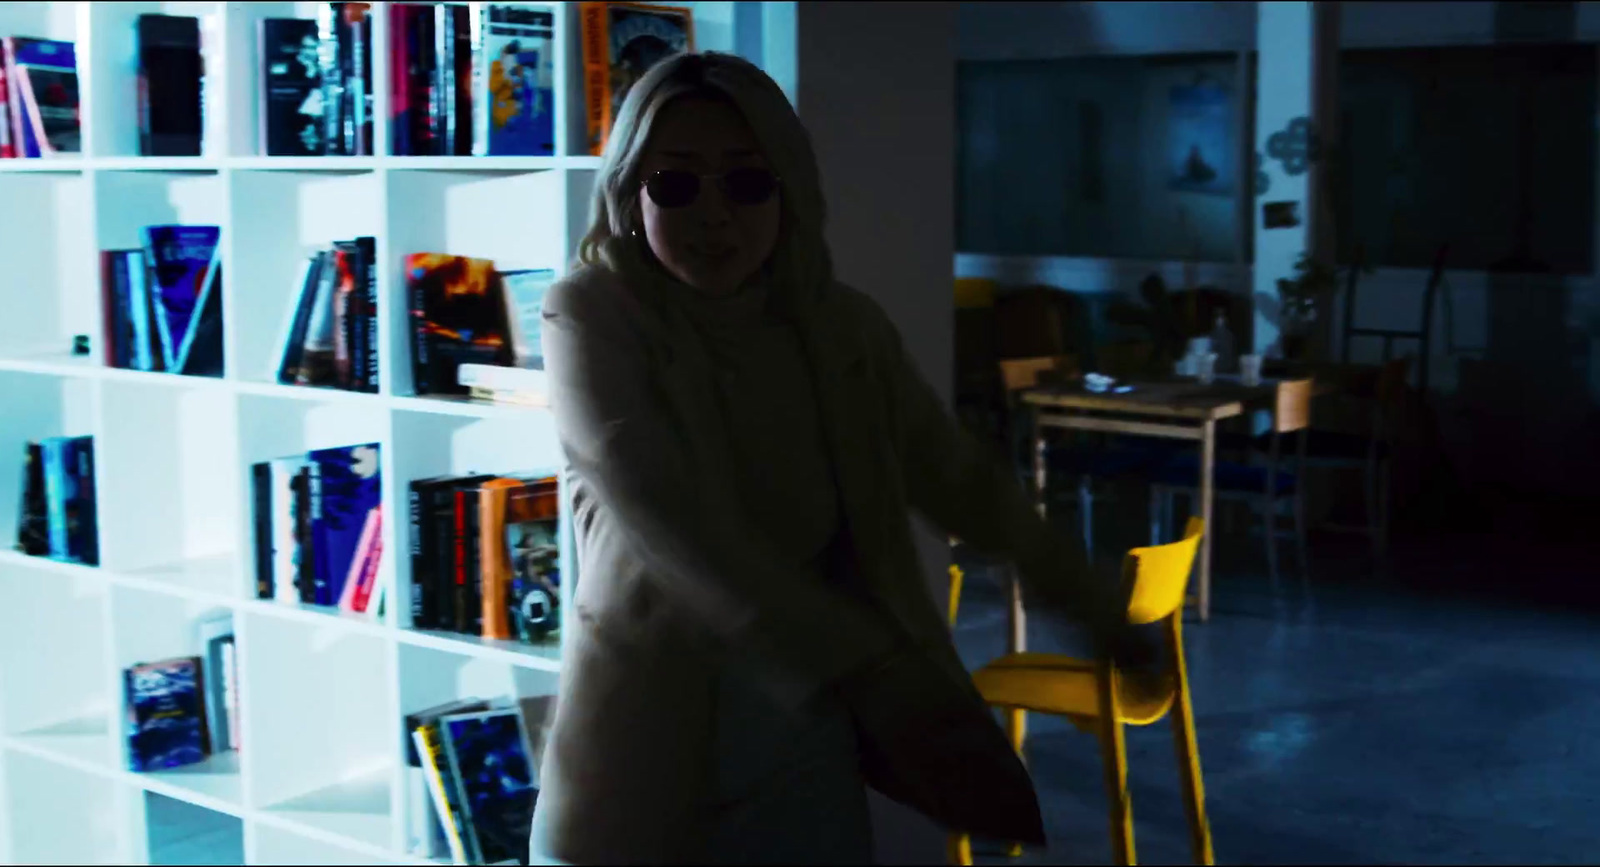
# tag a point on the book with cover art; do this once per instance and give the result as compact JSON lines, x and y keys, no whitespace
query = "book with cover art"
{"x":184,"y":261}
{"x":516,"y":112}
{"x":346,"y":488}
{"x":458,"y":316}
{"x":292,"y":103}
{"x":68,"y":469}
{"x":43,"y":81}
{"x":165,"y":714}
{"x":490,"y":758}
{"x":518,"y":558}
{"x":621,"y":41}
{"x":524,"y":292}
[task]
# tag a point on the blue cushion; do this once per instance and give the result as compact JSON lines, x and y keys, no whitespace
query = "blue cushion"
{"x":1183,"y":471}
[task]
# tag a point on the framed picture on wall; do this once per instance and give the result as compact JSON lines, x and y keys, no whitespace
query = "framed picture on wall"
{"x":1200,"y":139}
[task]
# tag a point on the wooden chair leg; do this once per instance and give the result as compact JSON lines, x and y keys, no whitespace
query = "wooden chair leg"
{"x":1086,"y":513}
{"x":1300,"y":534}
{"x":1114,"y":758}
{"x":1194,"y":796}
{"x":1269,"y":529}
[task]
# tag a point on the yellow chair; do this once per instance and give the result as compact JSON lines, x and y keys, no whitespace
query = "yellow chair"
{"x":1095,"y":697}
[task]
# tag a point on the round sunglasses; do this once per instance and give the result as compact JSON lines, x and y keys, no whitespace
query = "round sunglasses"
{"x":676,"y":188}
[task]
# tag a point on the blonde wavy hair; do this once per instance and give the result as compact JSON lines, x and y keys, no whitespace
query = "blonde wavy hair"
{"x":800,"y":260}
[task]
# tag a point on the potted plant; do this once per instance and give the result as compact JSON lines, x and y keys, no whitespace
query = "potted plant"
{"x":1303,"y":300}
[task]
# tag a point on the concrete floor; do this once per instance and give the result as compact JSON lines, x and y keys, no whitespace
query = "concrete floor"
{"x":1441,"y":711}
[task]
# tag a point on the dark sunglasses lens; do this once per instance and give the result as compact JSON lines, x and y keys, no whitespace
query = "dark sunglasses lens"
{"x":673,"y":189}
{"x":749,"y":186}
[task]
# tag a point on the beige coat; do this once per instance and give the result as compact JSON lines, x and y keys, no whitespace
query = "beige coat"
{"x":672,"y":583}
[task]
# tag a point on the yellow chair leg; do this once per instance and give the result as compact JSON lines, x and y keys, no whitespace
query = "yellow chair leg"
{"x":1017,"y":730}
{"x":959,"y":850}
{"x":1194,"y":795}
{"x":1114,"y":757}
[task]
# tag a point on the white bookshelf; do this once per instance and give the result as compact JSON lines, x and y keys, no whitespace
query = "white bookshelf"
{"x":320,"y":779}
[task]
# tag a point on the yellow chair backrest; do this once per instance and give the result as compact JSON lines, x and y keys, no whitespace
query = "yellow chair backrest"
{"x":1160,"y":575}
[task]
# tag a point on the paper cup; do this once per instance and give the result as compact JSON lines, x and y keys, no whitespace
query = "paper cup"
{"x":1250,"y":369}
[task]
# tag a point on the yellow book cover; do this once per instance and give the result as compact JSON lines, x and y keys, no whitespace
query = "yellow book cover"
{"x":428,"y":749}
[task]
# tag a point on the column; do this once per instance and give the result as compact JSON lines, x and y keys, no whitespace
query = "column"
{"x":1296,"y":101}
{"x":874,"y":83}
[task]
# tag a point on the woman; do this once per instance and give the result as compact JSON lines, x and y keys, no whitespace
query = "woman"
{"x":754,"y":640}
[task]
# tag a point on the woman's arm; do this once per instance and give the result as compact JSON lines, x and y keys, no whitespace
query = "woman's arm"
{"x":955,"y":480}
{"x":801,"y":634}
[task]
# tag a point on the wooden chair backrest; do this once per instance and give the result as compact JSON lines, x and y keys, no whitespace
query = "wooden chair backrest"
{"x":1292,"y":408}
{"x":1017,"y":374}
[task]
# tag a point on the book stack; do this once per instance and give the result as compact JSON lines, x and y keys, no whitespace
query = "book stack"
{"x":316,"y":80}
{"x":472,"y":780}
{"x":38,"y":98}
{"x":318,"y":520}
{"x":180,"y":711}
{"x":163,"y":303}
{"x":472,"y":79}
{"x":56,"y":517}
{"x":331,"y":335}
{"x":485,"y":556}
{"x":463,"y":311}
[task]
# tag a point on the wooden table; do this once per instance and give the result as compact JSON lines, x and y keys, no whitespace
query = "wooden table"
{"x":1173,"y":409}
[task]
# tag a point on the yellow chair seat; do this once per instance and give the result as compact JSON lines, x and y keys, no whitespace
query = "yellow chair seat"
{"x":1056,"y":684}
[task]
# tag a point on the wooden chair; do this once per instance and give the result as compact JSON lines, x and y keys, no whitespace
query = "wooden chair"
{"x":1267,"y":487}
{"x":1423,"y":333}
{"x":1095,"y":696}
{"x":1085,"y":463}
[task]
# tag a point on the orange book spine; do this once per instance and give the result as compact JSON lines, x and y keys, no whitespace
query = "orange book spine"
{"x":493,"y":559}
{"x":596,"y":74}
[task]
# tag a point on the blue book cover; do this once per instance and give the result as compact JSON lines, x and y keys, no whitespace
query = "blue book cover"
{"x":139,"y":312}
{"x":165,"y":714}
{"x":183,"y":265}
{"x":518,"y":49}
{"x":489,"y":758}
{"x":59,"y":488}
{"x":82,"y":536}
{"x":347,"y":486}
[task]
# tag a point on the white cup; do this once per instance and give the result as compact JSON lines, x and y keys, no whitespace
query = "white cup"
{"x":1205,"y":368}
{"x":1250,"y":370}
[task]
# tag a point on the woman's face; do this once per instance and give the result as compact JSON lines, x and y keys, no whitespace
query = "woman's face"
{"x":710,"y":243}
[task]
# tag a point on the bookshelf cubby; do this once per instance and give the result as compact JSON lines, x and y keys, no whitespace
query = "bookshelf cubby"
{"x":321,"y":776}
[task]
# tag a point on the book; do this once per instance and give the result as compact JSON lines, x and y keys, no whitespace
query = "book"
{"x":83,"y":545}
{"x":510,"y":397}
{"x":514,"y":110}
{"x":146,"y":345}
{"x":346,"y":488}
{"x":357,"y":586}
{"x":292,"y":103}
{"x":59,"y":488}
{"x":164,"y":714}
{"x":489,"y":756}
{"x":519,"y":558}
{"x":184,"y":261}
{"x":296,"y":324}
{"x":33,"y":516}
{"x":214,"y":632}
{"x":446,"y":803}
{"x":171,"y":72}
{"x":525,"y":291}
{"x":43,"y":78}
{"x":7,"y":147}
{"x":458,"y":317}
{"x":621,"y":41}
{"x":277,"y":551}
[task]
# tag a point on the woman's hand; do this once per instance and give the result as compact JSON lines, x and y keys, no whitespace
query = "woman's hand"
{"x":930,"y":744}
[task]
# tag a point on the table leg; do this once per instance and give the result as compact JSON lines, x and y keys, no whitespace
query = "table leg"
{"x":1208,"y":458}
